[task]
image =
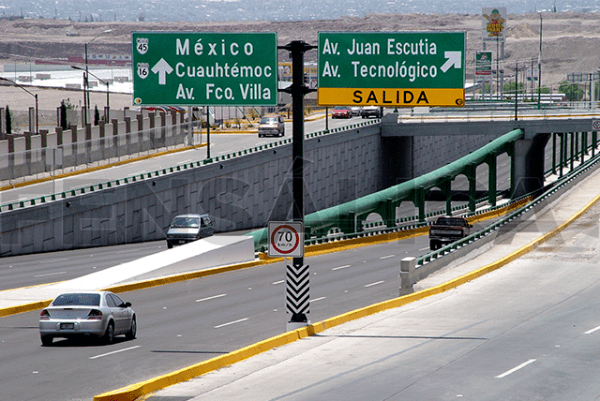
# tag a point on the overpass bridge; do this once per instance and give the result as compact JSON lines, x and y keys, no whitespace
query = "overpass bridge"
{"x":348,"y":180}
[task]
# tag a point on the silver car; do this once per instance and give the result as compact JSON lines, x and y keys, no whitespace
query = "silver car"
{"x":100,"y":314}
{"x":188,"y":228}
{"x":271,"y":126}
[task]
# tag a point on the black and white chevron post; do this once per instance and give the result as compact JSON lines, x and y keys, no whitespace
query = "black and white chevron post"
{"x":297,"y":296}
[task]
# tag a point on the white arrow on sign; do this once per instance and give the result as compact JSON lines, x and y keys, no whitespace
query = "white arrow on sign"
{"x":454,"y":59}
{"x":162,"y":68}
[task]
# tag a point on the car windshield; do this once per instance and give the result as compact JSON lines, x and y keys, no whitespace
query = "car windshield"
{"x":340,"y":108}
{"x":77,"y":299}
{"x":445,"y":221}
{"x":186,"y":222}
{"x":268,"y":120}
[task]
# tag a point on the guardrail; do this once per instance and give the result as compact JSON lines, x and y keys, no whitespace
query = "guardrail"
{"x":557,"y":186}
{"x":413,"y":222}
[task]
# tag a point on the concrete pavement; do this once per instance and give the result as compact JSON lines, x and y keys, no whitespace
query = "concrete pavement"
{"x":281,"y":367}
{"x":171,"y":265}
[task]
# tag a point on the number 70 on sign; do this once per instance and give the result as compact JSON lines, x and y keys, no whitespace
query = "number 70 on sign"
{"x":286,"y":239}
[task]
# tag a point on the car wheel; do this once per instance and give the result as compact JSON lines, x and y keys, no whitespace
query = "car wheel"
{"x":46,"y":340}
{"x":132,"y":333}
{"x":169,"y":244}
{"x":109,"y":335}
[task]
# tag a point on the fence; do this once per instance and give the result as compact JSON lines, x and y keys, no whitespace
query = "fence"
{"x":27,"y":155}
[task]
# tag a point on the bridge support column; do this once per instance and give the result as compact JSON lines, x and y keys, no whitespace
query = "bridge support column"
{"x":492,"y":179}
{"x":528,"y":165}
{"x":471,"y":176}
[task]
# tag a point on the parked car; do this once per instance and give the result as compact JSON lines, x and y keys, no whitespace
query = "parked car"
{"x":271,"y":126}
{"x":448,"y":229}
{"x":99,"y":314}
{"x":188,"y":228}
{"x":341,"y":112}
{"x":369,"y":111}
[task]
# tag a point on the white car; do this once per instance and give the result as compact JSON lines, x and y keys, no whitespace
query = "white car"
{"x":369,"y":111}
{"x":356,"y":110}
{"x":271,"y":126}
{"x":99,"y":314}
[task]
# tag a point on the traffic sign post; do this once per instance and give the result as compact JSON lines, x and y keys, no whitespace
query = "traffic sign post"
{"x":391,"y":69}
{"x":287,"y":239}
{"x":202,"y":69}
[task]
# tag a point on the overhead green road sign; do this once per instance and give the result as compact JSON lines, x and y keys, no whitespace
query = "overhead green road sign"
{"x":201,"y":69}
{"x":391,"y":69}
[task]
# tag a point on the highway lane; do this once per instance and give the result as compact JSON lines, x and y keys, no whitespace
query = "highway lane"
{"x":528,"y":331}
{"x":184,"y":323}
{"x":35,"y":269}
{"x":340,"y":282}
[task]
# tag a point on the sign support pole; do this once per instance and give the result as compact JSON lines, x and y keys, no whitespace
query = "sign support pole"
{"x":207,"y":133}
{"x":298,"y":90}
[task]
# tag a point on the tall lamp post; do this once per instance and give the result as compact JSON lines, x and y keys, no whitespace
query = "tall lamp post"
{"x":540,"y":68}
{"x":99,"y":79}
{"x":32,"y":94}
{"x":87,"y":89}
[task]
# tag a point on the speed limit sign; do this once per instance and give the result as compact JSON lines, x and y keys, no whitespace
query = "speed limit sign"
{"x":286,"y":239}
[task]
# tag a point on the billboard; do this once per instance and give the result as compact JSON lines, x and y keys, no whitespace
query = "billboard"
{"x":493,"y":21}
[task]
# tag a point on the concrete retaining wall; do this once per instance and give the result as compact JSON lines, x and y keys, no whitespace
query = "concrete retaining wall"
{"x":240,"y":193}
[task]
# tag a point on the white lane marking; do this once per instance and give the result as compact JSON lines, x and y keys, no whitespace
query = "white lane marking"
{"x":128,"y":251}
{"x":185,"y":162}
{"x":340,"y":267}
{"x":513,"y":370}
{"x":387,"y":257}
{"x":317,"y":299}
{"x":424,"y":249}
{"x":372,"y":284}
{"x":52,"y":261}
{"x":592,"y":330}
{"x":278,"y":282}
{"x":114,"y":352}
{"x":234,"y":322}
{"x":213,"y":297}
{"x":49,"y":274}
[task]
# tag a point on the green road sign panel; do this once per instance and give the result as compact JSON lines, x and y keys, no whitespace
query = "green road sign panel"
{"x":391,"y":69}
{"x":204,"y":69}
{"x":483,"y":63}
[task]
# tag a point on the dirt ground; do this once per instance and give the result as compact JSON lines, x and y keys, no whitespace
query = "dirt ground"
{"x":570,"y":43}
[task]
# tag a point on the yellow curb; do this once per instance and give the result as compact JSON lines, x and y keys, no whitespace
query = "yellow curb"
{"x":30,"y":307}
{"x":135,"y":391}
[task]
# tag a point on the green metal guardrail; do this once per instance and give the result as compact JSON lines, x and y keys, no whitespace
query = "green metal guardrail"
{"x":336,"y":232}
{"x":556,"y":187}
{"x":348,"y":217}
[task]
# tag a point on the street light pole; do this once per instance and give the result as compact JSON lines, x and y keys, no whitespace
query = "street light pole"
{"x":87,"y":87}
{"x":540,"y":68}
{"x":37,"y":130}
{"x":107,"y":83}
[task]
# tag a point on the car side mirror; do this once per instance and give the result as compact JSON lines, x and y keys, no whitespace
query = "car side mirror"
{"x":126,"y":305}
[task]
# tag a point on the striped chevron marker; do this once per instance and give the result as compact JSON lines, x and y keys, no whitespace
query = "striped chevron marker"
{"x":296,"y":292}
